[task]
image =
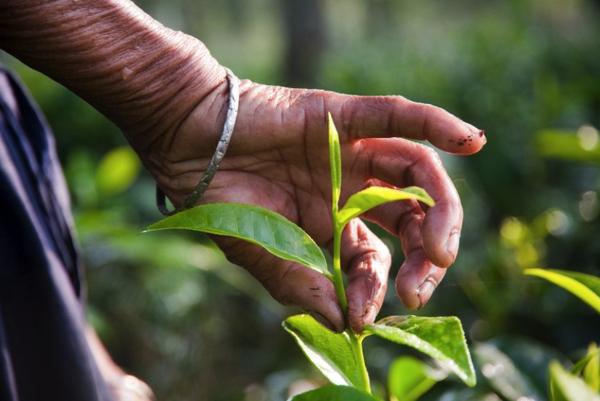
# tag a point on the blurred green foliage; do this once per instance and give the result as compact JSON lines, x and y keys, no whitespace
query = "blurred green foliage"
{"x":174,"y":312}
{"x":116,"y":171}
{"x":410,"y":378}
{"x":584,"y":286}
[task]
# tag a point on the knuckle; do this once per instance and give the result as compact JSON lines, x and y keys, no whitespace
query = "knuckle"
{"x":378,"y":244}
{"x":429,"y":111}
{"x":428,"y":114}
{"x":397,"y":103}
{"x":351,"y":115}
{"x":384,"y":253}
{"x":368,"y":267}
{"x":379,"y":253}
{"x":451,"y":201}
{"x":316,"y":103}
{"x":409,"y":217}
{"x":430,"y":157}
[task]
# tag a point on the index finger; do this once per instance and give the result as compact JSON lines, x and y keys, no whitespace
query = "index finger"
{"x":401,"y":163}
{"x":396,"y":116}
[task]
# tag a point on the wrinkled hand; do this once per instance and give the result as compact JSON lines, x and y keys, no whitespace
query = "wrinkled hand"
{"x":278,"y":158}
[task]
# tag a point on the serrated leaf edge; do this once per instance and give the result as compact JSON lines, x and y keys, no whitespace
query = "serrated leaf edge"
{"x":469,"y":378}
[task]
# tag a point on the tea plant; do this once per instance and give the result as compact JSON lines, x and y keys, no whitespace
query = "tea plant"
{"x":584,"y":286}
{"x":339,"y":356}
{"x":509,"y":381}
{"x":582,"y":382}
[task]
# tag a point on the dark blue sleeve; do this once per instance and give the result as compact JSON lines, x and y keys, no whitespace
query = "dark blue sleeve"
{"x":44,"y":354}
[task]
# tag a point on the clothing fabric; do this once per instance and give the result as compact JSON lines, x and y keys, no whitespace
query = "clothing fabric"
{"x":44,"y":354}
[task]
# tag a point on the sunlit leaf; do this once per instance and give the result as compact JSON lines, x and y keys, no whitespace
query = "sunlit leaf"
{"x":334,"y":393}
{"x":589,"y":367}
{"x":442,"y":338}
{"x":568,"y":146}
{"x":577,"y":369}
{"x":117,"y":171}
{"x":502,"y":374}
{"x":371,"y":197}
{"x":330,"y":352}
{"x":335,"y":162}
{"x":566,"y":387}
{"x":584,"y":286}
{"x":591,"y":372}
{"x":409,"y":378}
{"x":250,"y":223}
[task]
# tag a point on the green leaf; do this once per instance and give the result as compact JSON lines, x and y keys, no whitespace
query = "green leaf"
{"x":371,"y":197}
{"x":442,"y":338}
{"x":591,"y":375}
{"x":332,"y":353}
{"x":577,"y":369}
{"x":502,"y":374}
{"x":568,"y":145}
{"x":250,"y":223}
{"x":531,"y":358}
{"x":589,"y":367}
{"x":584,"y":286}
{"x":334,"y":393}
{"x":335,"y":163}
{"x":117,"y":171}
{"x":566,"y":387}
{"x":409,"y":378}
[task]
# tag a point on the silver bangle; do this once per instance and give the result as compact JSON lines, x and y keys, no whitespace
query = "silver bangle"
{"x":213,"y":165}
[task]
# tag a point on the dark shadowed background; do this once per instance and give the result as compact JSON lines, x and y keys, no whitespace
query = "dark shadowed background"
{"x":175,"y":313}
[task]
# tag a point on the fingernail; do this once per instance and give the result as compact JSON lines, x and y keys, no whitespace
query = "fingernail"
{"x":425,"y":290}
{"x":477,"y":133}
{"x":452,"y":243}
{"x":321,"y":319}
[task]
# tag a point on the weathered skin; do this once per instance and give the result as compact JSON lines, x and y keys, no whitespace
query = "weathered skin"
{"x":168,"y":95}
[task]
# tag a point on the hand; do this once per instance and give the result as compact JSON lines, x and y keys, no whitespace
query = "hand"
{"x":122,"y":386}
{"x":129,"y":388}
{"x":278,"y":159}
{"x":169,"y":95}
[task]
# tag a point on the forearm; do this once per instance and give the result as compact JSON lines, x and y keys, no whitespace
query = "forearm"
{"x":140,"y":74}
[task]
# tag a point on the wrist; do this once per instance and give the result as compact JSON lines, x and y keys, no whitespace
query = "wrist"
{"x":178,"y":162}
{"x":143,"y":76}
{"x":168,"y":86}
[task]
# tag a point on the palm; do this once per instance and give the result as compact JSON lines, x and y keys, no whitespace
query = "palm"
{"x":278,"y":158}
{"x":282,"y":164}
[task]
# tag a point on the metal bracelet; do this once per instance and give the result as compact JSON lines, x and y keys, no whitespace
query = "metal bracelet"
{"x":213,"y":165}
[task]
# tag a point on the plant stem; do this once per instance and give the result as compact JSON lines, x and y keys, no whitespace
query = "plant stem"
{"x":335,"y":164}
{"x":338,"y":280}
{"x":356,"y":341}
